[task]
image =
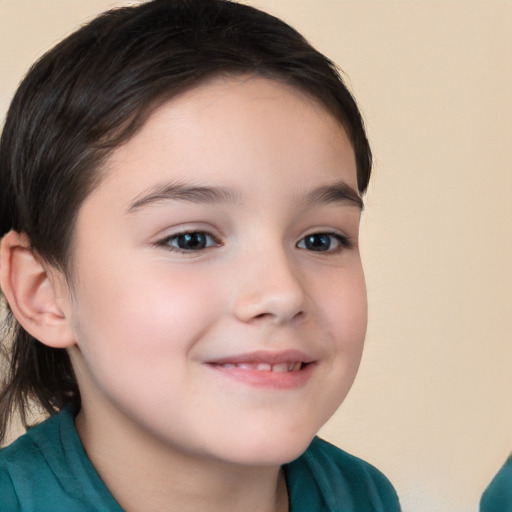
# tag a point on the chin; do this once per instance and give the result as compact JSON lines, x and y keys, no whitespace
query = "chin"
{"x":271,"y":450}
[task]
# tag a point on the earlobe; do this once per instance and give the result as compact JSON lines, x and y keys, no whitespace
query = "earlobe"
{"x":32,"y":293}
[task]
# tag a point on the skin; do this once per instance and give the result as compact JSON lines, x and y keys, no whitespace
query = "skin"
{"x":151,"y":321}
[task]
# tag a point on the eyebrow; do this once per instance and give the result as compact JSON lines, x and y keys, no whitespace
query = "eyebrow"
{"x":339,"y":192}
{"x":182,"y":192}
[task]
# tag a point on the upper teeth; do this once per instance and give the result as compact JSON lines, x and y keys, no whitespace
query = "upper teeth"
{"x":265,"y":367}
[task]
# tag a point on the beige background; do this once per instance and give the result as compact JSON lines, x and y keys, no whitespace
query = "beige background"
{"x":431,"y":405}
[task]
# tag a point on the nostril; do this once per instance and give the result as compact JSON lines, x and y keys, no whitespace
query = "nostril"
{"x":278,"y":317}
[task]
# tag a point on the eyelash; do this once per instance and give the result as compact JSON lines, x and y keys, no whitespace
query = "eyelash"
{"x":166,"y":242}
{"x":343,"y":242}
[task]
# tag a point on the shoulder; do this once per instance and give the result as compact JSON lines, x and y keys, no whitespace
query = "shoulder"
{"x":498,"y":496}
{"x":28,"y":451}
{"x":47,"y":470}
{"x":9,"y":502}
{"x":334,"y":480}
{"x":351,"y":467}
{"x":23,"y":465}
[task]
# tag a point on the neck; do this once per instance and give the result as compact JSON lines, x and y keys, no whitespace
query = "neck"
{"x":146,"y":475}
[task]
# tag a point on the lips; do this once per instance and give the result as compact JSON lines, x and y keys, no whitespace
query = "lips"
{"x":285,"y":360}
{"x":265,"y":367}
{"x":277,"y":370}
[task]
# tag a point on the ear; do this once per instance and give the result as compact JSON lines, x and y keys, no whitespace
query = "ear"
{"x":37,"y":298}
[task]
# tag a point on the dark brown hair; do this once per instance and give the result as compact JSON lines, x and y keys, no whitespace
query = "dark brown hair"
{"x":91,"y":93}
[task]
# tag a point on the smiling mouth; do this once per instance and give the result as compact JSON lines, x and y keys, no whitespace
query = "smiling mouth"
{"x":286,"y":370}
{"x":265,"y":367}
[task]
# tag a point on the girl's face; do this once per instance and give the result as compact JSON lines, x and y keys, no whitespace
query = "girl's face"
{"x":219,"y":305}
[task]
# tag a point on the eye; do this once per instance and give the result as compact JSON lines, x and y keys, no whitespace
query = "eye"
{"x":190,"y":241}
{"x":324,"y":242}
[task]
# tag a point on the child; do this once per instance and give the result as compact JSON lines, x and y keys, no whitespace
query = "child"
{"x":181,"y":191}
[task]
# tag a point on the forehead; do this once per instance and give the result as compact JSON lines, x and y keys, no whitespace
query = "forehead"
{"x":237,"y":129}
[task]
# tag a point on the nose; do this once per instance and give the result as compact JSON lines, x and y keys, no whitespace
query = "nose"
{"x":270,"y":288}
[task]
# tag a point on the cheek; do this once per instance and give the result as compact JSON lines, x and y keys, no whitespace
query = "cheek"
{"x":153,"y":313}
{"x":137,"y":335}
{"x":342,"y":315}
{"x":346,"y":311}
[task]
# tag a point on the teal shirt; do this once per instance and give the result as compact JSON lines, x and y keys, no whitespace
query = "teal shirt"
{"x":498,"y":496}
{"x":47,"y":470}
